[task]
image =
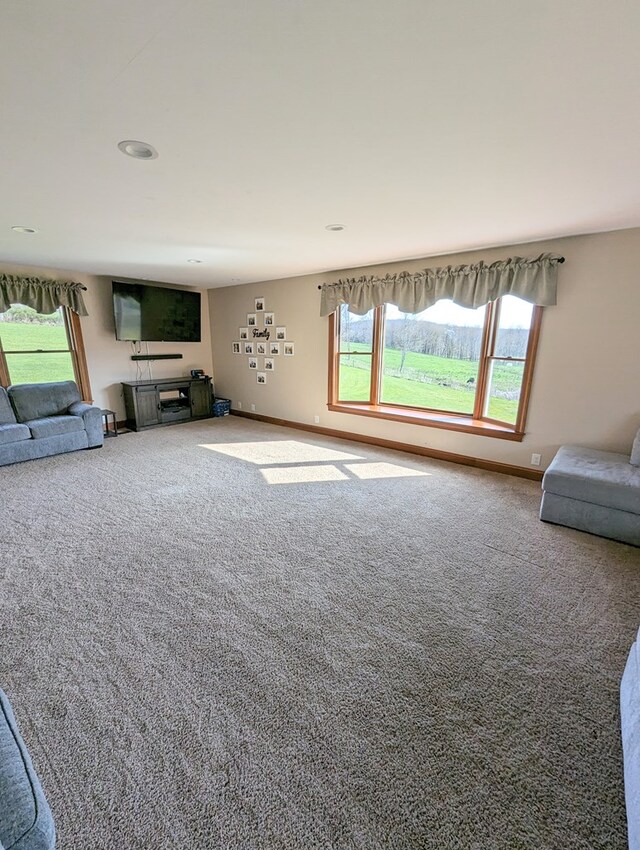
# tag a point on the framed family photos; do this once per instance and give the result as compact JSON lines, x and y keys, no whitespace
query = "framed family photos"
{"x":268,"y":343}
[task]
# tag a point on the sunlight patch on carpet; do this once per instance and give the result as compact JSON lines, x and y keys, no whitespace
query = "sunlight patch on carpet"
{"x":278,"y":451}
{"x":329,"y":472}
{"x":302,"y":474}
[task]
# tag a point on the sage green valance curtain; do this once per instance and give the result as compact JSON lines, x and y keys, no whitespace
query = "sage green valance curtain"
{"x":45,"y":296}
{"x":468,"y":286}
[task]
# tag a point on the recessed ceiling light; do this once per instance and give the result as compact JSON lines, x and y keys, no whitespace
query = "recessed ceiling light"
{"x":20,"y":228}
{"x":138,"y":150}
{"x":194,"y":261}
{"x":334,"y":227}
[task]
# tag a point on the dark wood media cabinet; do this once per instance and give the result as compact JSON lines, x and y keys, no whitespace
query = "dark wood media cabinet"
{"x":165,"y":401}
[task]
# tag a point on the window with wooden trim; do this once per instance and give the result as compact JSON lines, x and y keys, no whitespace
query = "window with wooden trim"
{"x":449,"y":367}
{"x":37,"y":348}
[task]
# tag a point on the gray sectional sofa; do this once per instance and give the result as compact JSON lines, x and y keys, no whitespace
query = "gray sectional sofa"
{"x":594,"y":491}
{"x":25,"y":818}
{"x":630,"y":728}
{"x":37,"y":420}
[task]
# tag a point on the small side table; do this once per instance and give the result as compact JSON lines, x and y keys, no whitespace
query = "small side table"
{"x":105,"y":419}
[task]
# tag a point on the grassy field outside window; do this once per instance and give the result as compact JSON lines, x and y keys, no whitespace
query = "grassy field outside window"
{"x":36,"y":347}
{"x":448,"y":359}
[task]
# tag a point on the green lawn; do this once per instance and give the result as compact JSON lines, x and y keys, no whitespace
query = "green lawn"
{"x":32,"y":368}
{"x":428,"y":381}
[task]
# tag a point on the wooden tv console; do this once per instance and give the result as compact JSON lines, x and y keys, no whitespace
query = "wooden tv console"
{"x":166,"y":401}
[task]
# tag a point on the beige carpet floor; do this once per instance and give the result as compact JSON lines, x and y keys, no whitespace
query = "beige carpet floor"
{"x":232,"y":635}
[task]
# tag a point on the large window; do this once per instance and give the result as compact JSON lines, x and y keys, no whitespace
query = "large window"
{"x":39,"y":348}
{"x":448,"y":366}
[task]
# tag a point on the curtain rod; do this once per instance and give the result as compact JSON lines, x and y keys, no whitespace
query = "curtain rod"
{"x":560,"y":260}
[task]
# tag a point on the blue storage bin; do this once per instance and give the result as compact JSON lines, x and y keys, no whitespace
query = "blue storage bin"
{"x":221,"y":406}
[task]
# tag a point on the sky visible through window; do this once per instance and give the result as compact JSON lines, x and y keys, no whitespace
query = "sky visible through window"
{"x":514,"y":313}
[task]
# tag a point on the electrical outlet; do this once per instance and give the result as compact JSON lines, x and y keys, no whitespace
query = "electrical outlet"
{"x":239,"y":405}
{"x":316,"y":419}
{"x":535,"y":459}
{"x":253,"y":407}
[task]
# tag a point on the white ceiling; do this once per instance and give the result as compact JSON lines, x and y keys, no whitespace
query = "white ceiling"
{"x":424,"y":126}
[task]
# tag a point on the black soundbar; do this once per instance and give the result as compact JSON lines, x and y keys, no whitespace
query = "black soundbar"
{"x":156,"y":356}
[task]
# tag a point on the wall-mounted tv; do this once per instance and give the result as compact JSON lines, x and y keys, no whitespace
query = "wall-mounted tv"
{"x":146,"y":313}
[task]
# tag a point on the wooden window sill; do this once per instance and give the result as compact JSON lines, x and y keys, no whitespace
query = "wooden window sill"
{"x":448,"y":421}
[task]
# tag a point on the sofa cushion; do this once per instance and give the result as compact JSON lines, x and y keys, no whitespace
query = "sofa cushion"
{"x":53,"y":426}
{"x":36,"y":401}
{"x":13,"y":434}
{"x":47,"y":446}
{"x":635,"y":451}
{"x":25,"y":820}
{"x":602,"y":478}
{"x":7,"y":416}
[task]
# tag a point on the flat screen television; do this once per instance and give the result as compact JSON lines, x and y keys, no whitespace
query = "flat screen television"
{"x":146,"y":313}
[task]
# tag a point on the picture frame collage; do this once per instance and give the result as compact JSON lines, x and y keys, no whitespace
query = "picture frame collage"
{"x":262,"y":337}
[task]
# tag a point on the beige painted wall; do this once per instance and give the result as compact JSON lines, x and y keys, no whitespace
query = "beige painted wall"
{"x":585,"y":386}
{"x":108,"y":359}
